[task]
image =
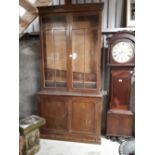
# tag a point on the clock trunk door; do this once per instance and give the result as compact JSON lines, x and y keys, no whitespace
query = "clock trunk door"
{"x":120,"y":89}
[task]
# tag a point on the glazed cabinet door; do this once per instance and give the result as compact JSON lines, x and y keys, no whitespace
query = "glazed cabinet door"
{"x":54,"y":31}
{"x":85,"y":50}
{"x":71,"y":51}
{"x":55,"y":111}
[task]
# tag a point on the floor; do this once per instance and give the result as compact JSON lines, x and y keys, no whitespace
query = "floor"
{"x":54,"y":147}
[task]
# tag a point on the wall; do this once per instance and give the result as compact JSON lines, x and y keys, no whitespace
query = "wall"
{"x":29,"y":75}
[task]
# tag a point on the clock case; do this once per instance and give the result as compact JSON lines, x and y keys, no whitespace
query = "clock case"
{"x":119,"y":37}
{"x":120,"y":118}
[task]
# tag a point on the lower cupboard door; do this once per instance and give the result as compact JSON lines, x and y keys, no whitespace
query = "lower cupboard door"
{"x":55,"y":111}
{"x":84,"y":116}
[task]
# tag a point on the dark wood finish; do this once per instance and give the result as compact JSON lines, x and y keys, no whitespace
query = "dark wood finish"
{"x":71,"y":117}
{"x":47,"y":10}
{"x":55,"y":111}
{"x":119,"y":116}
{"x":70,"y":99}
{"x":119,"y":123}
{"x":69,"y":29}
{"x":120,"y":89}
{"x":83,"y":115}
{"x":68,"y":2}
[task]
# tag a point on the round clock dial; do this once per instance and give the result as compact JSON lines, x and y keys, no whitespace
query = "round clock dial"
{"x":122,"y":52}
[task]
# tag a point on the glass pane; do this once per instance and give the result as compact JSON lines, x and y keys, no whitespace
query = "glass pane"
{"x":90,"y":58}
{"x":55,"y":57}
{"x":84,"y":49}
{"x":78,"y":58}
{"x":60,"y":57}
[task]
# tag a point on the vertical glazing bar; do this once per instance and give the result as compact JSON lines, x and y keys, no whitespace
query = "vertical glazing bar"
{"x":84,"y":58}
{"x":53,"y":42}
{"x":69,"y":52}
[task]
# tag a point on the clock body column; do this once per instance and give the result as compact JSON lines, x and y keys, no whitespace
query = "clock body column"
{"x":121,"y":64}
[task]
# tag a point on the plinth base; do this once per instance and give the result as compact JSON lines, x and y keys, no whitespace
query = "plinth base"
{"x":119,"y":123}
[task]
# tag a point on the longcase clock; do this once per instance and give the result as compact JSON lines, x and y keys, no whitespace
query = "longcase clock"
{"x":121,"y":65}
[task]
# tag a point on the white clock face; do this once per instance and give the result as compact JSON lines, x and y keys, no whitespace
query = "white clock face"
{"x":122,"y":52}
